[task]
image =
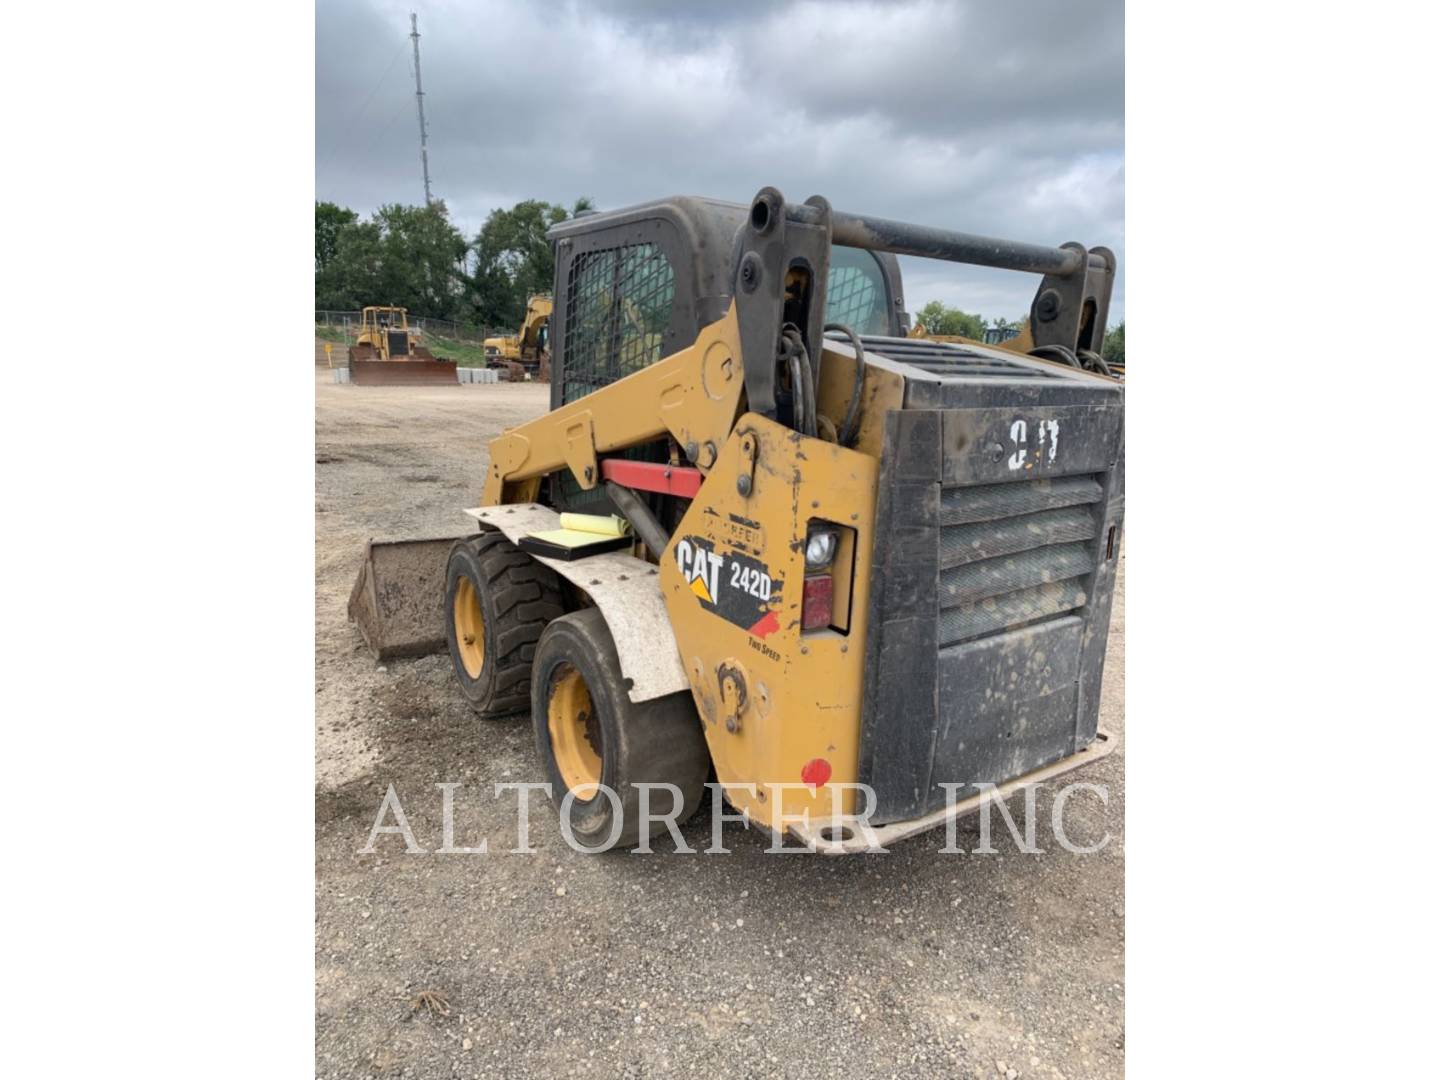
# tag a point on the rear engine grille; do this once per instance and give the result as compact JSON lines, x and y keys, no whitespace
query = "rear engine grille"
{"x":991,"y":586}
{"x":1014,"y":553}
{"x":943,"y":358}
{"x":993,"y":577}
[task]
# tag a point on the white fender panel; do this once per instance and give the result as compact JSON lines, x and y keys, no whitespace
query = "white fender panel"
{"x":624,"y":588}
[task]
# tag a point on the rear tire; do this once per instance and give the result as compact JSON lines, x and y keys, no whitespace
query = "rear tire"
{"x":498,"y":601}
{"x":588,"y":731}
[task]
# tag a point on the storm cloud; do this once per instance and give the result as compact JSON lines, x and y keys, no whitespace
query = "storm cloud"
{"x":999,"y":118}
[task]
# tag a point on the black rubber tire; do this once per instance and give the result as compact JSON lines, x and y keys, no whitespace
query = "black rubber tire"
{"x":655,"y":742}
{"x":518,"y":598}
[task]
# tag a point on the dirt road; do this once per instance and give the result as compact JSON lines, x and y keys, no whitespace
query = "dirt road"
{"x":914,"y":963}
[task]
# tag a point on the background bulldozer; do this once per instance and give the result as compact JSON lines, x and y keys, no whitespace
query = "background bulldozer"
{"x":528,"y":352}
{"x":386,"y":353}
{"x":855,"y":557}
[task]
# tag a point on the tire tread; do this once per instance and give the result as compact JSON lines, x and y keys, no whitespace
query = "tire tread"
{"x":525,"y":597}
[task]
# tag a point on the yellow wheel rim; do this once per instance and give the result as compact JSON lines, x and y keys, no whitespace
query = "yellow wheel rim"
{"x":574,"y":731}
{"x":469,"y":627}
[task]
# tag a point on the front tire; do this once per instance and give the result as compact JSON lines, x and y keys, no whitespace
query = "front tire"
{"x":588,"y":732}
{"x":498,"y":601}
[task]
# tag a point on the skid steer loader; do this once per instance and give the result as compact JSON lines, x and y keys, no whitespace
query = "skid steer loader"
{"x":386,"y":353}
{"x":859,"y":558}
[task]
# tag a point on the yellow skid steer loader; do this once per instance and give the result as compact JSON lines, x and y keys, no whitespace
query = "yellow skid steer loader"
{"x":869,"y":577}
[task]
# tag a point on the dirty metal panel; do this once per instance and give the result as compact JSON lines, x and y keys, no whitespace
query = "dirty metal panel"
{"x":994,"y":575}
{"x":1102,"y":590}
{"x":902,"y":646}
{"x":624,"y":588}
{"x":776,"y":701}
{"x":837,"y":836}
{"x":985,"y":446}
{"x":399,"y":597}
{"x":928,"y":387}
{"x":1009,"y":704}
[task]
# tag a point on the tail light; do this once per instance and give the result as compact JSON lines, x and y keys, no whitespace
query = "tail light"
{"x":829,"y":569}
{"x":817,"y":608}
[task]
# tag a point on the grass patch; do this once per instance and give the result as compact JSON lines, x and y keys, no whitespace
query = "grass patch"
{"x":464,"y":353}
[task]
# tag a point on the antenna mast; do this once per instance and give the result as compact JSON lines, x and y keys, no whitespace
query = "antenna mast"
{"x":420,"y":105}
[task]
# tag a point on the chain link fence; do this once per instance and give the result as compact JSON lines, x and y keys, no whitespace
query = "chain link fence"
{"x":347,"y":322}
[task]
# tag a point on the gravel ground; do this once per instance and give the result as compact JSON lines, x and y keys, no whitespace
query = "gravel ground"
{"x":913,"y":963}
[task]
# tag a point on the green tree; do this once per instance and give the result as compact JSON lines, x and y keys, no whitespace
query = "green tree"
{"x":513,"y":259}
{"x":351,"y":276}
{"x":1114,"y":348}
{"x":421,"y":255}
{"x":945,"y":321}
{"x":330,"y":221}
{"x":413,"y":257}
{"x":404,"y":255}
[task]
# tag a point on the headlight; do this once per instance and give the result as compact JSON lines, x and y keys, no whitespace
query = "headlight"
{"x":820,"y":549}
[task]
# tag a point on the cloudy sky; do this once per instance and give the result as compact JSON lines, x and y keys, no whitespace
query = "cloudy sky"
{"x":1005,"y":119}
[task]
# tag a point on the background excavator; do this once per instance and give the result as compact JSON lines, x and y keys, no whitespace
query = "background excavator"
{"x":528,"y":352}
{"x":841,"y":556}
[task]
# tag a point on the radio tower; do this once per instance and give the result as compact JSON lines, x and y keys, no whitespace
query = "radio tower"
{"x":420,"y":105}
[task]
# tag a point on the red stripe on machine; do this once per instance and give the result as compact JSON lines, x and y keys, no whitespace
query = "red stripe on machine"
{"x":650,"y":476}
{"x":766,"y":625}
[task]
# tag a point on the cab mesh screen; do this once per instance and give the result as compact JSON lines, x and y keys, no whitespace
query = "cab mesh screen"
{"x":617,"y":309}
{"x":855,"y":292}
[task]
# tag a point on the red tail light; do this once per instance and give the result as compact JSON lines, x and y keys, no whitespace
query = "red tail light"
{"x":817,"y":606}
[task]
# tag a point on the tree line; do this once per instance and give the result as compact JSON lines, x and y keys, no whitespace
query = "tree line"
{"x":414,"y":257}
{"x":939,"y":318}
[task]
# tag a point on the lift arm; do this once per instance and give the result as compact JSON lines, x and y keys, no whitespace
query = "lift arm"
{"x":692,"y":395}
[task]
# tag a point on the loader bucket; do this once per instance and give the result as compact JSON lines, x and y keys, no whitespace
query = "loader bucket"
{"x":399,"y":597}
{"x":403,"y":373}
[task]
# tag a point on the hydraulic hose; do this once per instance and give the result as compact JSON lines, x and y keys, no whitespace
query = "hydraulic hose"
{"x":1057,"y":353}
{"x":797,"y":381}
{"x":646,"y":527}
{"x":852,"y":411}
{"x":802,"y":378}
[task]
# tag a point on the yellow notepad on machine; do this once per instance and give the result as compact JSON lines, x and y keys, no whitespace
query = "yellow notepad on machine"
{"x":579,"y":535}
